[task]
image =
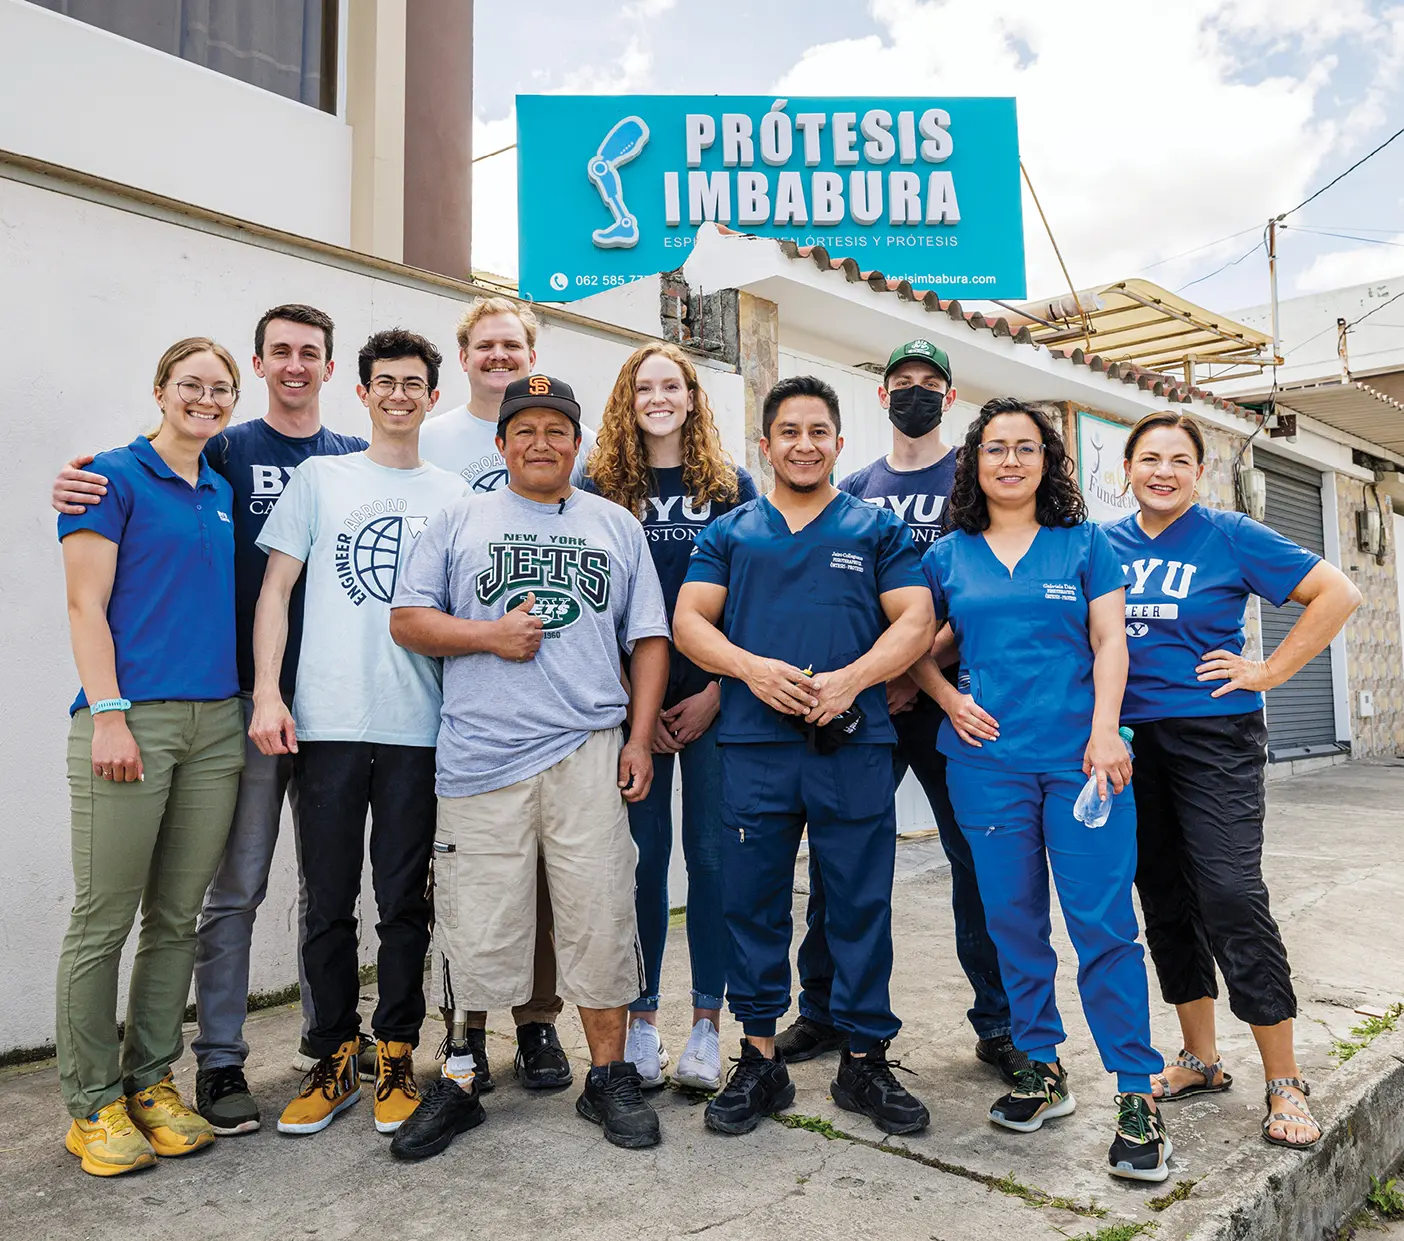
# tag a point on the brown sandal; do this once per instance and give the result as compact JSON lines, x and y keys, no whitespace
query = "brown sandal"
{"x":1277,"y":1087}
{"x":1195,"y":1065}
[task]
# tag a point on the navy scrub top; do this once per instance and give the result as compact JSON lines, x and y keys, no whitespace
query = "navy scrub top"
{"x":809,"y":597}
{"x":1187,"y":594}
{"x":171,"y":611}
{"x":1025,"y":649}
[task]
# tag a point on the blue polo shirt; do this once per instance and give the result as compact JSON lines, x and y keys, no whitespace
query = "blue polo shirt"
{"x":810,"y":597}
{"x":172,"y":606}
{"x":1186,"y":595}
{"x":1025,"y":649}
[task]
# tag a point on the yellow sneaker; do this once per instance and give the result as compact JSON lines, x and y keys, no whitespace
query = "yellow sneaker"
{"x":396,"y":1093}
{"x":171,"y":1127}
{"x":332,"y":1086}
{"x":108,"y":1143}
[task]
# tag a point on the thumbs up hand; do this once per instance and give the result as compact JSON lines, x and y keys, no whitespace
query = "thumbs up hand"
{"x":519,"y":632}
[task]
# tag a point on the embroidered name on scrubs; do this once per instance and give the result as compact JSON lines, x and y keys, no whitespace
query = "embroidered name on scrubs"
{"x":565,"y":576}
{"x":851,"y":561}
{"x":1065,"y":591}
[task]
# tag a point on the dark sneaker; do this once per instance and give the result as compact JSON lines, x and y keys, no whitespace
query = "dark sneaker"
{"x":1040,"y":1093}
{"x":222,"y":1097}
{"x":806,"y":1039}
{"x":445,"y":1110}
{"x":1141,"y":1147}
{"x":613,"y":1099}
{"x":541,"y":1064}
{"x":1002,"y":1053}
{"x":482,"y":1070}
{"x":756,"y":1088}
{"x":866,"y":1084}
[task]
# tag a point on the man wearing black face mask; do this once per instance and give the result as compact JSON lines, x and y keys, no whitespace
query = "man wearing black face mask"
{"x":914,"y":481}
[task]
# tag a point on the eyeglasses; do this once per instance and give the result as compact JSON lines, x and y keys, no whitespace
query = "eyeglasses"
{"x":192,"y":392}
{"x":1026,"y":453}
{"x":414,"y":389}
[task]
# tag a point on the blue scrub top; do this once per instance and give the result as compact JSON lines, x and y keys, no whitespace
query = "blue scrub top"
{"x":1025,"y":651}
{"x":809,"y":597}
{"x":1187,"y":594}
{"x":172,"y":606}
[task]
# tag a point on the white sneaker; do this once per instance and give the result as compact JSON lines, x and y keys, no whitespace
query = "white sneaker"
{"x":699,"y":1067}
{"x":641,"y":1049}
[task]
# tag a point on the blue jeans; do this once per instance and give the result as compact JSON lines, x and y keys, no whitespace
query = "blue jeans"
{"x":651,"y":822}
{"x":916,"y":748}
{"x":1020,"y":826}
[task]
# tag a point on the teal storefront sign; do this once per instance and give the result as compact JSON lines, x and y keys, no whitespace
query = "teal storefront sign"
{"x":614,"y":187}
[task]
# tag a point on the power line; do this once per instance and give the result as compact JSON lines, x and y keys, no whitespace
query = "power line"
{"x":1207,"y":246}
{"x":1368,"y":313}
{"x":1321,"y":232}
{"x":1343,"y":175}
{"x":1231,"y":263}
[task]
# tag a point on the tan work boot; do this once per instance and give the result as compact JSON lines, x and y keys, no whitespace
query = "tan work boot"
{"x":396,"y":1094}
{"x":332,"y":1086}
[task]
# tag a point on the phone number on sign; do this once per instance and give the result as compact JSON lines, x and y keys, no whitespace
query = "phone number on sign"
{"x":560,"y":281}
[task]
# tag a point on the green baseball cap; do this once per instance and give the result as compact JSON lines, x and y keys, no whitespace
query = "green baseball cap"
{"x":922,"y":351}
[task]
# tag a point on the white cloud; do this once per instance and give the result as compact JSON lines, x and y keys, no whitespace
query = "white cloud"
{"x":1138,"y":137}
{"x":1358,"y":266}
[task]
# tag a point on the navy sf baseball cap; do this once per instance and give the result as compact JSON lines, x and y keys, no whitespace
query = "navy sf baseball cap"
{"x":538,"y":392}
{"x":921,"y":351}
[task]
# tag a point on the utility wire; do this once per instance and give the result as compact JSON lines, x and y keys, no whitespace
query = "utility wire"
{"x":1231,"y":263}
{"x":1368,"y":313}
{"x":1346,"y":173}
{"x":1207,"y":246}
{"x":1321,"y":232}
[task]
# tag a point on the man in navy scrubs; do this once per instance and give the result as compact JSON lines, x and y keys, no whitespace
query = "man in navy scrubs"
{"x":807,"y":602}
{"x":914,"y":481}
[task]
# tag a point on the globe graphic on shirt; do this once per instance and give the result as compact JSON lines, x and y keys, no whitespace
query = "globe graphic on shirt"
{"x":490,"y":480}
{"x":376,"y":556}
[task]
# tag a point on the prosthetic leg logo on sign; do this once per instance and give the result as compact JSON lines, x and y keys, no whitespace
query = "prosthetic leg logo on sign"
{"x":565,"y":576}
{"x":620,"y":145}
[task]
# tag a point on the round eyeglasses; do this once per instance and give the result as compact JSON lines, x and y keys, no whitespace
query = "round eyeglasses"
{"x":1026,"y":453}
{"x":414,"y":389}
{"x":192,"y":392}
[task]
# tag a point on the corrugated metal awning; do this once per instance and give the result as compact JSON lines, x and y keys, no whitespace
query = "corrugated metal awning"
{"x":1363,"y":407}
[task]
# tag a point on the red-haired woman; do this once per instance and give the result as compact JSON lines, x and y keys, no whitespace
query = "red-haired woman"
{"x":660,"y":456}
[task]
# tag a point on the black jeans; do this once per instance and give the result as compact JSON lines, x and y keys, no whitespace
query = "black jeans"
{"x":1200,"y":801}
{"x":916,"y":749}
{"x":338,"y":781}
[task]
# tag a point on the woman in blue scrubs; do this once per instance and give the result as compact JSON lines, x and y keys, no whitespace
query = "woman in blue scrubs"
{"x":1034,"y":595}
{"x":1196,"y":704}
{"x":659,"y":454}
{"x":155,"y":748}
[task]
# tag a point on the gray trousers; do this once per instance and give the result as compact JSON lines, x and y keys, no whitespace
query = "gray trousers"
{"x":225,"y":933}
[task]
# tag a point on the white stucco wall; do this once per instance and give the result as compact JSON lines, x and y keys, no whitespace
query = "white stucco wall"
{"x":93,"y":294}
{"x":78,"y":96}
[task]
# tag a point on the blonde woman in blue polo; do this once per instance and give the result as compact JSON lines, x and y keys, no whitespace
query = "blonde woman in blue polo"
{"x":155,"y":749}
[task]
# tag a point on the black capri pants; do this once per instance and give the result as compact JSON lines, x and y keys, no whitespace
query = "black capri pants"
{"x":1200,"y":800}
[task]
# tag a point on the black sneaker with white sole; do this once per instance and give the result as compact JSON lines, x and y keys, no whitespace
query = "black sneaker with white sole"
{"x":222,"y":1097}
{"x":866,"y":1084}
{"x":1003,"y":1055}
{"x":445,"y":1110}
{"x":807,"y":1038}
{"x":541,"y":1062}
{"x":756,"y":1088}
{"x":1040,"y":1093}
{"x":1141,"y":1149}
{"x":613,"y":1099}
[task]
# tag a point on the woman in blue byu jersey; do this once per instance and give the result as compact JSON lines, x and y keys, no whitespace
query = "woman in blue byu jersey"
{"x":1196,"y":704}
{"x":660,"y":456}
{"x":155,"y":749}
{"x":1034,"y":595}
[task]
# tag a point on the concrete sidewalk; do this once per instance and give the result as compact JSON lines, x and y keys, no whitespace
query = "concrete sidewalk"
{"x":537,"y":1170}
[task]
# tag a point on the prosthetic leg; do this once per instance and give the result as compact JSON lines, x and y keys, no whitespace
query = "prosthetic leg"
{"x":458,"y":1056}
{"x":620,"y":145}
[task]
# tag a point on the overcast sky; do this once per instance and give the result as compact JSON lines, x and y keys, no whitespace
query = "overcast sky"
{"x":1149,"y":127}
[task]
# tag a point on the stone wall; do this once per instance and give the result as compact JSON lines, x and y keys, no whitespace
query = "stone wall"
{"x":1373,"y":654}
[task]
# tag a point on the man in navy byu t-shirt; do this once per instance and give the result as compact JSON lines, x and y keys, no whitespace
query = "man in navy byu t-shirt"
{"x":914,"y":481}
{"x":292,"y":355}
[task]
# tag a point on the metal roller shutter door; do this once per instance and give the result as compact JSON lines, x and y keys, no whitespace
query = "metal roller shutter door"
{"x":1301,"y":715}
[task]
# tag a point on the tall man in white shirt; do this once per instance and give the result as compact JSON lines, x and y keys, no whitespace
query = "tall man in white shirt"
{"x":362,"y":729}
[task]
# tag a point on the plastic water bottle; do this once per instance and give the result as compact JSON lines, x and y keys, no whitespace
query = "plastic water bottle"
{"x":1090,"y":808}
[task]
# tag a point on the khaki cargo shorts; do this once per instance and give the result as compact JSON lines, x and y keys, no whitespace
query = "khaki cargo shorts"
{"x":485,"y":876}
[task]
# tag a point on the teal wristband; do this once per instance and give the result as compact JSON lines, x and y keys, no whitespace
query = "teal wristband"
{"x":110,"y":704}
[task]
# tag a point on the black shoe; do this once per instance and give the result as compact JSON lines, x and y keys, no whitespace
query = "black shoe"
{"x":222,"y":1097}
{"x":1040,"y":1093}
{"x":367,"y":1062}
{"x":613,"y":1099}
{"x":1002,"y":1053}
{"x":1141,"y":1147}
{"x":445,"y":1110}
{"x":806,"y":1039}
{"x":482,"y":1070}
{"x":541,"y":1064}
{"x":756,"y":1087}
{"x":866,"y":1084}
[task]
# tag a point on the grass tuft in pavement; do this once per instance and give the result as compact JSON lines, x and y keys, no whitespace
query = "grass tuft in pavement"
{"x":1366,"y":1032}
{"x":1178,"y":1194}
{"x":1387,"y":1198}
{"x":1117,"y":1232}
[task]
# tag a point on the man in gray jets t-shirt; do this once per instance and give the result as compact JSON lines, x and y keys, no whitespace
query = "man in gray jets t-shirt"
{"x":529,"y":593}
